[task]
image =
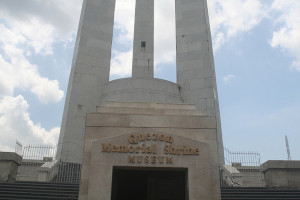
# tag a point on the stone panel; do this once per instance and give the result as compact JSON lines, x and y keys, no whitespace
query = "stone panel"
{"x":150,"y":121}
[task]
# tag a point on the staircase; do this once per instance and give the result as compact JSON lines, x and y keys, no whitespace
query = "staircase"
{"x":45,"y":191}
{"x":38,"y":190}
{"x":242,"y":193}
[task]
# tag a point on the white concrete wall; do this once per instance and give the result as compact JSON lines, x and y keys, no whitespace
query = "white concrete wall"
{"x":90,"y":71}
{"x":195,"y":65}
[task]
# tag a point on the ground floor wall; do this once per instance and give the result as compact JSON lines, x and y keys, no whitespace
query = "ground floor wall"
{"x":150,"y":140}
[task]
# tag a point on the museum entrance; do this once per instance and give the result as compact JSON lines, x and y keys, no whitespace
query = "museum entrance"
{"x":149,"y":184}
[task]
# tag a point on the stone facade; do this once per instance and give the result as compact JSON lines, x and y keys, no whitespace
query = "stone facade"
{"x":155,"y":136}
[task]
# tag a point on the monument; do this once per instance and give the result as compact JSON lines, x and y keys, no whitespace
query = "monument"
{"x":143,"y":137}
{"x":89,"y":84}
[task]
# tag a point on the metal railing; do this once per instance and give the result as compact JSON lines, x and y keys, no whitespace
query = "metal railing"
{"x":245,"y":158}
{"x":39,"y":163}
{"x":242,"y":168}
{"x":18,"y":148}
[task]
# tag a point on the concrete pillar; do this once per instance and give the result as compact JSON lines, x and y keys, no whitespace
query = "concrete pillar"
{"x":143,"y":45}
{"x":89,"y":73}
{"x":195,"y":65}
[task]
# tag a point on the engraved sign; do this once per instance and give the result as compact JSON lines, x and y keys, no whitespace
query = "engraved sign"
{"x":150,"y":148}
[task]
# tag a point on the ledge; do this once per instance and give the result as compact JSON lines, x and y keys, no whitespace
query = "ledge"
{"x":280,"y":164}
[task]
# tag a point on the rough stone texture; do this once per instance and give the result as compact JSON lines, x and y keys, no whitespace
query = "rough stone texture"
{"x":112,"y":128}
{"x":280,"y":173}
{"x":89,"y":73}
{"x":9,"y":163}
{"x":195,"y":65}
{"x":143,"y":44}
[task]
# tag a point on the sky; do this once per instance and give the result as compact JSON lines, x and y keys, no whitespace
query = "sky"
{"x":257,"y":59}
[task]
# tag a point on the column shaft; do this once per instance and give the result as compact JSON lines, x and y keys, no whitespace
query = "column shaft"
{"x":143,"y":45}
{"x":195,"y":65}
{"x":89,"y":73}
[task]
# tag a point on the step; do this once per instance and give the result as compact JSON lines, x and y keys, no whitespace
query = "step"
{"x":38,"y":190}
{"x":150,"y":111}
{"x":116,"y":104}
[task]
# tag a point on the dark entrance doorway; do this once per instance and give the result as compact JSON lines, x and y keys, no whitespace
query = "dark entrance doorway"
{"x":149,"y":184}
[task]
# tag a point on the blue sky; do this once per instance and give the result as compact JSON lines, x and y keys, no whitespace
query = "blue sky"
{"x":257,"y":60}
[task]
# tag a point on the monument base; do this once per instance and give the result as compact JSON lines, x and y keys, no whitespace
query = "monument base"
{"x":9,"y":163}
{"x":282,"y":173}
{"x":150,"y":151}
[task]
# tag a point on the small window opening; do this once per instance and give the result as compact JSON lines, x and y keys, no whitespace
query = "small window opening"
{"x":143,"y":44}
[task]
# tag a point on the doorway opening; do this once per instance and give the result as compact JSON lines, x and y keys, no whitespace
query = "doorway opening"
{"x":149,"y":184}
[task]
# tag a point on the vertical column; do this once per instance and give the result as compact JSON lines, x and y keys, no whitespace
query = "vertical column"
{"x":143,"y":45}
{"x":195,"y":65}
{"x":89,"y":73}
